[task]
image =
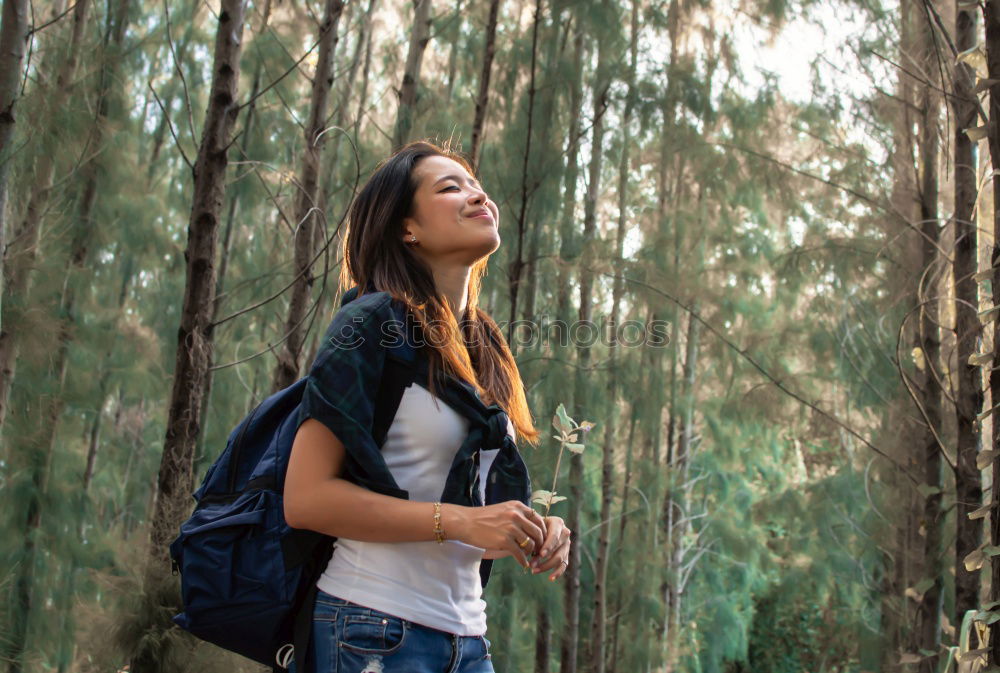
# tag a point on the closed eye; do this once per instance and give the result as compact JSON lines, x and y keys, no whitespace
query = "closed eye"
{"x":449,"y":187}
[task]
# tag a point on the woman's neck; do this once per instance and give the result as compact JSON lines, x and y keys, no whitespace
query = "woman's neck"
{"x":453,"y":283}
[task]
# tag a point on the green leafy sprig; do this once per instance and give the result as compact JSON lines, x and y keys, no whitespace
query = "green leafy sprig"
{"x":569,"y":439}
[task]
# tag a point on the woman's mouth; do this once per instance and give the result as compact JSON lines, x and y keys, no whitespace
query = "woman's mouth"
{"x":484,"y":215}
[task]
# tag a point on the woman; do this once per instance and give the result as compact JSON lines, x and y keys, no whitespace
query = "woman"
{"x":403,"y":590}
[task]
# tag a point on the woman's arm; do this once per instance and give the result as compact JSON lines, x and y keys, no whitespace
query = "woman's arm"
{"x":317,"y":498}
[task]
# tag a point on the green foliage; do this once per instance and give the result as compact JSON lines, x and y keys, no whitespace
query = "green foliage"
{"x":773,"y":541}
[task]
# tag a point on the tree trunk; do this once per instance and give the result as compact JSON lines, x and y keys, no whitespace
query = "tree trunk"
{"x":930,"y":344}
{"x":482,"y":100}
{"x":455,"y":32}
{"x":968,"y":391}
{"x":227,"y":241}
{"x":991,"y":19}
{"x":598,"y":631}
{"x":22,"y":246}
{"x":897,"y":610}
{"x":13,"y":41}
{"x":619,"y":600}
{"x":194,"y":342}
{"x":331,"y":180}
{"x":306,"y":203}
{"x":543,"y":640}
{"x":547,"y":170}
{"x":419,"y":37}
{"x":581,"y":398}
{"x":679,"y":498}
{"x":567,"y":237}
{"x":53,"y":405}
{"x":516,"y":272}
{"x":365,"y":77}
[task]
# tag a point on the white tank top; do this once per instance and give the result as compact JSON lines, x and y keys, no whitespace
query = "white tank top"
{"x":433,"y":584}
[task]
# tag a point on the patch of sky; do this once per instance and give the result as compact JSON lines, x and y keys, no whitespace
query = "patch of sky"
{"x":633,"y":242}
{"x":816,"y":52}
{"x":796,"y":229}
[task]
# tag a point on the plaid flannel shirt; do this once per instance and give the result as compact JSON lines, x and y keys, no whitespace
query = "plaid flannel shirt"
{"x":341,"y":392}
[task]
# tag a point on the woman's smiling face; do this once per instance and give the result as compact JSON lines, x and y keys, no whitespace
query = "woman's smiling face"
{"x":452,"y":218}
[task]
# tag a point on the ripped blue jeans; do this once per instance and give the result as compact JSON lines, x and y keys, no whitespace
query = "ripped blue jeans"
{"x":350,"y":638}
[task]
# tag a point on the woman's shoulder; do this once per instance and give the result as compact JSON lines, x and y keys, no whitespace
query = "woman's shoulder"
{"x":371,"y":322}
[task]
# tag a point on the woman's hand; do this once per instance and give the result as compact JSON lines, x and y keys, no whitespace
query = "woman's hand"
{"x":509,"y":526}
{"x":554,"y":552}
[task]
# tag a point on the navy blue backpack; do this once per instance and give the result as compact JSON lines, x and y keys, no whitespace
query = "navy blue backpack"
{"x":247,"y":578}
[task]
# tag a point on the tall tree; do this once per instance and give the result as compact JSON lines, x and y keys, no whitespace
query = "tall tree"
{"x":598,"y":627}
{"x":22,"y":248}
{"x":516,"y":271}
{"x":233,"y":198}
{"x":13,"y":38}
{"x":483,"y":99}
{"x":308,"y":215}
{"x":968,"y":331}
{"x":581,"y":399}
{"x":896,"y":620}
{"x":930,"y":345}
{"x":194,"y":337}
{"x":420,"y":35}
{"x":991,"y":21}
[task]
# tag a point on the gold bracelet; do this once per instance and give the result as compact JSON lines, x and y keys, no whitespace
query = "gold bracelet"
{"x":438,"y":532}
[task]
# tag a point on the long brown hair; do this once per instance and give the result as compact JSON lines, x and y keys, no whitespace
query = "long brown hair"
{"x":376,"y":257}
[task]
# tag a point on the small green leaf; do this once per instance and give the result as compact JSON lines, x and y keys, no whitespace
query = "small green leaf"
{"x":923,"y":585}
{"x":567,"y":422}
{"x":547,"y":498}
{"x":927,"y":490}
{"x":980,"y":359}
{"x":575,"y":448}
{"x":991,"y":550}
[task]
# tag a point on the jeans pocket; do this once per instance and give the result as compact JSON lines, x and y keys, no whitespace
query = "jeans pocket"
{"x":487,"y":644}
{"x":371,"y":632}
{"x":325,"y":612}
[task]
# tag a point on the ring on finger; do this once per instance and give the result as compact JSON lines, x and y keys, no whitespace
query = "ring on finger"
{"x":524,"y":543}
